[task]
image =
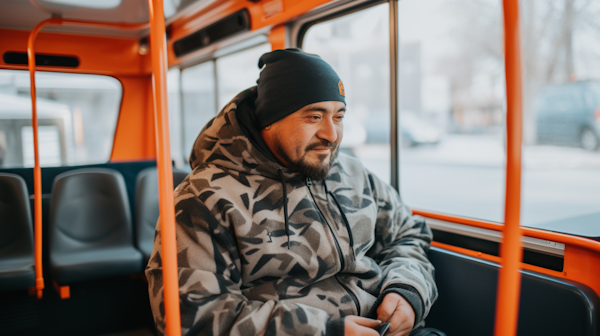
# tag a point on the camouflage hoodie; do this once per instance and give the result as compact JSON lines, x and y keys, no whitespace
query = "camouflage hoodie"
{"x":264,"y":250}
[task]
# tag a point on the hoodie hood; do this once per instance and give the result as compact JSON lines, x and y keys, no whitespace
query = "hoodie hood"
{"x":224,"y":143}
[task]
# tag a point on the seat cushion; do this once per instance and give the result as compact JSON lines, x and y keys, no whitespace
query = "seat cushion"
{"x":16,"y":273}
{"x":16,"y":235}
{"x":93,"y":264}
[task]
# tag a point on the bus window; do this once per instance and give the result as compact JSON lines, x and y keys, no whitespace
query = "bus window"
{"x":237,"y":72}
{"x":357,"y":47}
{"x":199,"y":106}
{"x":451,"y":87}
{"x":77,"y":116}
{"x":561,"y":116}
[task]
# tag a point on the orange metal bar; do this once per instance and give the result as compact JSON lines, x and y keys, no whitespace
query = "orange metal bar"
{"x":511,"y":251}
{"x":37,"y":171}
{"x":63,"y":291}
{"x":585,"y":243}
{"x":125,"y":26}
{"x":165,"y":171}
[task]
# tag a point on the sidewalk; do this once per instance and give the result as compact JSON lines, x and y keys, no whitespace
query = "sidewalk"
{"x":484,"y":151}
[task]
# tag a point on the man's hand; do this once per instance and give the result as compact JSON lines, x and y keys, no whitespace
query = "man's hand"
{"x":396,"y":310}
{"x":356,"y":325}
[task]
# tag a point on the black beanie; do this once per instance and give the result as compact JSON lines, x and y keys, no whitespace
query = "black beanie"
{"x":291,"y":80}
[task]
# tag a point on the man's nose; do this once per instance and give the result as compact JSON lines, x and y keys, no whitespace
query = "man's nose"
{"x":327,"y":131}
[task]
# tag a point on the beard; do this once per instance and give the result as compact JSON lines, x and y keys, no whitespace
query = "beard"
{"x":315,"y":171}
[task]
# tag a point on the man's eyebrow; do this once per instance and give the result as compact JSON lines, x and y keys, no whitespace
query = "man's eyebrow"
{"x":315,"y":108}
{"x":321,"y":109}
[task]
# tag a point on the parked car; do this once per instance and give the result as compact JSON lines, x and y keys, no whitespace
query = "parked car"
{"x":569,"y":114}
{"x":414,"y":129}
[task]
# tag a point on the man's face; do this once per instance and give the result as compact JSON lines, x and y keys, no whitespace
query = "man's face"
{"x":307,"y":139}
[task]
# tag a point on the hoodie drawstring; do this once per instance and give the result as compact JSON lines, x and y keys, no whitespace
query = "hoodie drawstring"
{"x":285,"y":204}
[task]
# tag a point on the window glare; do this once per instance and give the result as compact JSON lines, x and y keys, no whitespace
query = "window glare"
{"x":198,"y":91}
{"x":174,"y":99}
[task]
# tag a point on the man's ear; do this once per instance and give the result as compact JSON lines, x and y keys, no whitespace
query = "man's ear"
{"x":266,"y":135}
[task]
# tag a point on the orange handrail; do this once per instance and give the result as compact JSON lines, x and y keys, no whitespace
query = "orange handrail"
{"x":37,"y":172}
{"x":511,"y":251}
{"x":165,"y":171}
{"x":125,"y":26}
{"x":585,"y":243}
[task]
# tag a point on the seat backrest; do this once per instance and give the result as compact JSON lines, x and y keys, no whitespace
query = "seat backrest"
{"x":146,"y":209}
{"x":549,"y":306}
{"x":89,"y":210}
{"x":16,"y":231}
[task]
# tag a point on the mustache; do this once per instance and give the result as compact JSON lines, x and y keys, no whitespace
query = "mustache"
{"x":322,"y":143}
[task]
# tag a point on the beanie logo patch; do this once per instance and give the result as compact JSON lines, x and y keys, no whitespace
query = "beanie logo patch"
{"x":341,"y":86}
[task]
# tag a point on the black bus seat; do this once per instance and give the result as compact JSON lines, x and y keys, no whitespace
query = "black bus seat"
{"x":146,"y":207}
{"x":466,"y":305}
{"x":90,"y":229}
{"x":16,"y":235}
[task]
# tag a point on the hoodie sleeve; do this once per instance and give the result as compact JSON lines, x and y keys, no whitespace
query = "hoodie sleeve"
{"x":211,"y":299}
{"x":401,"y":243}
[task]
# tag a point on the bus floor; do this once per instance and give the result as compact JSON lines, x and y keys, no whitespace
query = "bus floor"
{"x":106,"y":307}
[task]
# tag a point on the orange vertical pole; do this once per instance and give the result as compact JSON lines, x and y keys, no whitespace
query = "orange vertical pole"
{"x":509,"y":281}
{"x":277,"y":37}
{"x":37,"y":171}
{"x":165,"y":170}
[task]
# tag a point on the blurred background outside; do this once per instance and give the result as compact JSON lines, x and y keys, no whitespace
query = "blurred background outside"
{"x":452,"y":105}
{"x":77,"y":118}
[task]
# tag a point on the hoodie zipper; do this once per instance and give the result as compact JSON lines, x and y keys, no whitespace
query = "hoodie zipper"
{"x":337,"y":246}
{"x":345,"y":219}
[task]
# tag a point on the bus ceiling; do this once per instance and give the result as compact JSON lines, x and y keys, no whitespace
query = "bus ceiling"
{"x":128,"y":33}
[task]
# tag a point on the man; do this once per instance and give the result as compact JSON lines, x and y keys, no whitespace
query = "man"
{"x":279,"y":233}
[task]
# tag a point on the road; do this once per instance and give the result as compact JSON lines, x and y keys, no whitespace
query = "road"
{"x":464,"y":175}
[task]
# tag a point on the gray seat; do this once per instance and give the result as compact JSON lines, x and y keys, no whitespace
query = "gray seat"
{"x":16,"y":235}
{"x":90,"y":227}
{"x":146,"y":207}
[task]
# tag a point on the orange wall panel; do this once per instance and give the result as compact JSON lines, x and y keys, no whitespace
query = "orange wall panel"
{"x":583,"y":265}
{"x":134,"y":137}
{"x":277,"y":37}
{"x":266,"y":13}
{"x":96,"y":54}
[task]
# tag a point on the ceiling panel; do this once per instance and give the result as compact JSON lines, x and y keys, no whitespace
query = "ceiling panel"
{"x":25,"y":14}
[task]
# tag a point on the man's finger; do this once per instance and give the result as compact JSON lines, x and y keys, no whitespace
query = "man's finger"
{"x":387,"y":308}
{"x":399,"y":324}
{"x":364,"y":321}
